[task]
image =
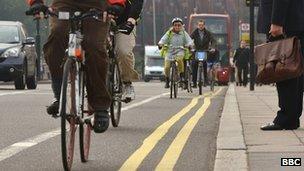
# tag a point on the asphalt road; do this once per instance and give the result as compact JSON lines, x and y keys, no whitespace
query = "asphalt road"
{"x":155,"y":133}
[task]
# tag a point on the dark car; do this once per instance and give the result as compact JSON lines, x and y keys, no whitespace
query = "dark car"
{"x":18,"y":58}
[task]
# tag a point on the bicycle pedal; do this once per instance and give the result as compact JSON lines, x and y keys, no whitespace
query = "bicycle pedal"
{"x":55,"y":116}
{"x":127,"y":100}
{"x":89,"y":122}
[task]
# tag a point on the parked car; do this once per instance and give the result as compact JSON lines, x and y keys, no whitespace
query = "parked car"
{"x":18,"y":58}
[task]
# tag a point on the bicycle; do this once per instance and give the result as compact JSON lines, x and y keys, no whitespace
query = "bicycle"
{"x":174,"y":76}
{"x":212,"y":74}
{"x":201,"y":57}
{"x":74,"y":110}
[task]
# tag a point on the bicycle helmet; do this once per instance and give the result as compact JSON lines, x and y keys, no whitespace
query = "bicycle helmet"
{"x":175,"y":20}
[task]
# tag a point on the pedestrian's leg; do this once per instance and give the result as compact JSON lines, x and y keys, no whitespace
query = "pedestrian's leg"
{"x":245,"y":75}
{"x":289,"y":101}
{"x":239,"y":75}
{"x":97,"y":68}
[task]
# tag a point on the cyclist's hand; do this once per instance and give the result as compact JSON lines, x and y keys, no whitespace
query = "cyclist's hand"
{"x":212,"y":50}
{"x":160,"y":46}
{"x":115,"y":10}
{"x":126,"y":28}
{"x":36,"y":9}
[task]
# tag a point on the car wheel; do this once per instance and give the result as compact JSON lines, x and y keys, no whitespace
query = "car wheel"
{"x":21,"y":80}
{"x":146,"y":79}
{"x":31,"y":82}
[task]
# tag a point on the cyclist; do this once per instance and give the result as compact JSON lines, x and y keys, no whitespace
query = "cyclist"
{"x":125,"y":43}
{"x":175,"y":37}
{"x":94,"y":44}
{"x":203,"y":40}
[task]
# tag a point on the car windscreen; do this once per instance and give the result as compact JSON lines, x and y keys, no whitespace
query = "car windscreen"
{"x":154,"y":61}
{"x":9,"y":34}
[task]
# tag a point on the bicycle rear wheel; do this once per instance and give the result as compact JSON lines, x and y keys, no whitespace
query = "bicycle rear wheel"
{"x":85,"y":129}
{"x":200,"y":80}
{"x":116,"y":91}
{"x":68,"y":114}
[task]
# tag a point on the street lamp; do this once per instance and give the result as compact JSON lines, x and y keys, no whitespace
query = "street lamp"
{"x":154,"y":23}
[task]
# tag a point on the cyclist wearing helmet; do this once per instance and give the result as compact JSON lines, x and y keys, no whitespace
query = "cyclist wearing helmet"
{"x":125,"y":43}
{"x":175,"y":37}
{"x":94,"y":44}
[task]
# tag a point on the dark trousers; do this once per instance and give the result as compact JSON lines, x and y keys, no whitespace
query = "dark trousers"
{"x":242,"y":74}
{"x":195,"y":69}
{"x":94,"y":45}
{"x":290,"y":93}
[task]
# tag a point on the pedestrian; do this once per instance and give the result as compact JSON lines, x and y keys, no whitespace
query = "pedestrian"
{"x":278,"y":17}
{"x":241,"y":61}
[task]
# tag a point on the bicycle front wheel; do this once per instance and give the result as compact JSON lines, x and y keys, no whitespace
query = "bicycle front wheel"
{"x":200,"y":80}
{"x":116,"y":91}
{"x":189,"y":79}
{"x":68,"y":113}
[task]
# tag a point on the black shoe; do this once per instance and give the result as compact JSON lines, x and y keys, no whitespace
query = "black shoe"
{"x":101,"y":121}
{"x":167,"y":83}
{"x":276,"y":127}
{"x":53,"y":109}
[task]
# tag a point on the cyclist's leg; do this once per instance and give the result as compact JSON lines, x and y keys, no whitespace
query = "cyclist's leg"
{"x":124,"y":49}
{"x":181,"y":67}
{"x":54,"y":52}
{"x":97,"y":67}
{"x":167,"y":73}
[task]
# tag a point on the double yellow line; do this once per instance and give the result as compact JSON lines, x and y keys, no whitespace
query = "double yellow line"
{"x":171,"y":156}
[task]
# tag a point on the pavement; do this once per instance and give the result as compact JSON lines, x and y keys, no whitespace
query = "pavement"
{"x":241,"y":145}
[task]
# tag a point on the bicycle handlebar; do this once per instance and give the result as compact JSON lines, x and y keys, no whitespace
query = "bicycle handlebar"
{"x":76,"y":16}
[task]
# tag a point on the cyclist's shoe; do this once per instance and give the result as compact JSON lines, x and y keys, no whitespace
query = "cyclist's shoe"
{"x":101,"y":121}
{"x":185,"y":87}
{"x":53,"y":109}
{"x":167,"y":85}
{"x":129,"y":92}
{"x":194,"y":85}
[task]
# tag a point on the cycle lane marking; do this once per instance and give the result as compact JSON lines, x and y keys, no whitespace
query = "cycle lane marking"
{"x":134,"y":161}
{"x":18,"y":147}
{"x":175,"y":149}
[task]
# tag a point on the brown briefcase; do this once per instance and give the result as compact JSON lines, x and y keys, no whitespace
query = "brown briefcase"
{"x":279,"y":60}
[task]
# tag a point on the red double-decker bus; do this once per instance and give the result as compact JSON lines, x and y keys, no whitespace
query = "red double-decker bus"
{"x":220,"y":26}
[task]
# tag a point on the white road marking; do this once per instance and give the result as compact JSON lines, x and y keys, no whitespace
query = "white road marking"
{"x":20,"y":146}
{"x":30,"y":142}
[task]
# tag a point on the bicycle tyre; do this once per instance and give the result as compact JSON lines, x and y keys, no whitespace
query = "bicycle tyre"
{"x":200,"y":80}
{"x":84,"y":128}
{"x":116,"y":91}
{"x":171,"y":81}
{"x":68,"y":96}
{"x":189,"y":79}
{"x":175,"y":78}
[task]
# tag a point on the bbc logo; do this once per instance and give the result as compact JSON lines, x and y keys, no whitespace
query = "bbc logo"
{"x":290,"y":161}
